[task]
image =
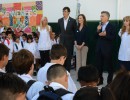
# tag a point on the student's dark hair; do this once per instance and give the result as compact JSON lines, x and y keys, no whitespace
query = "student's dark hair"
{"x":25,"y":35}
{"x":10,"y":86}
{"x":55,"y":71}
{"x":57,"y":51}
{"x":84,"y":18}
{"x":93,"y":93}
{"x":9,"y":32}
{"x":87,"y":93}
{"x":15,"y":37}
{"x":120,"y":86}
{"x":4,"y":50}
{"x":22,"y":61}
{"x":88,"y":74}
{"x":29,"y":37}
{"x":66,"y":8}
{"x":22,"y":32}
{"x":9,"y":29}
{"x":107,"y":13}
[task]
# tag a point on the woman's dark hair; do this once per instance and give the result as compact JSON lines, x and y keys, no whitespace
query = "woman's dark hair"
{"x":120,"y":86}
{"x":84,"y":18}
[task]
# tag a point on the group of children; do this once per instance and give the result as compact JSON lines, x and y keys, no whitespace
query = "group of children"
{"x":21,"y":40}
{"x":53,"y":80}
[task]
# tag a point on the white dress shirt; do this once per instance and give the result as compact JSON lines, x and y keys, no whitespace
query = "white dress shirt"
{"x":56,"y":86}
{"x":124,"y":51}
{"x":42,"y":77}
{"x":2,"y":70}
{"x":35,"y":87}
{"x":66,"y":22}
{"x":44,"y":42}
{"x":104,"y":26}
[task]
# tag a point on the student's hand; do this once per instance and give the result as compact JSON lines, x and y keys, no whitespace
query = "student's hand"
{"x":102,"y":33}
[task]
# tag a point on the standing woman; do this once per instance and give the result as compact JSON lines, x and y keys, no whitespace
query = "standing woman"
{"x":81,"y":42}
{"x":124,"y":51}
{"x":44,"y":43}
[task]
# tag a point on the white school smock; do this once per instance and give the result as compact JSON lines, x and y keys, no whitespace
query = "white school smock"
{"x":10,"y":46}
{"x":56,"y":86}
{"x":124,"y":51}
{"x":35,"y":87}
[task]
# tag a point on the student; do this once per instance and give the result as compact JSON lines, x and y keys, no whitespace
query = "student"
{"x":18,"y":45}
{"x":92,"y":93}
{"x":23,"y":62}
{"x":88,"y":76}
{"x":58,"y":79}
{"x":30,"y":45}
{"x":12,"y":88}
{"x":9,"y":43}
{"x":24,"y":38}
{"x":58,"y":55}
{"x":4,"y":53}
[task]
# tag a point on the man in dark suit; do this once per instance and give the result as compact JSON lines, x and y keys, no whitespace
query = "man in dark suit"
{"x":67,"y":29}
{"x":105,"y":36}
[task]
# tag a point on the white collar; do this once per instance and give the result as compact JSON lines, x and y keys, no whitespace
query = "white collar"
{"x":26,"y":77}
{"x":66,"y":19}
{"x":106,"y":23}
{"x":56,"y":85}
{"x":1,"y":70}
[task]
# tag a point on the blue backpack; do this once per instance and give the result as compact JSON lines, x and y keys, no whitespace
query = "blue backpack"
{"x":50,"y":94}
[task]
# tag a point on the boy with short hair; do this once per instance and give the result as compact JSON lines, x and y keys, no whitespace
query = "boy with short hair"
{"x":4,"y":53}
{"x":12,"y":87}
{"x":23,"y":62}
{"x":58,"y":55}
{"x":57,"y":79}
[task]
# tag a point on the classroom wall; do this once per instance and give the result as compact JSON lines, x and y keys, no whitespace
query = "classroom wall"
{"x":91,"y":8}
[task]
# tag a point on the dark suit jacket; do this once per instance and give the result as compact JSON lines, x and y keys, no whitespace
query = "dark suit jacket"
{"x":67,"y":36}
{"x":105,"y":43}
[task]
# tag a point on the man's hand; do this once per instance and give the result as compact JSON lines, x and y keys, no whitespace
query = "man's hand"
{"x":102,"y":33}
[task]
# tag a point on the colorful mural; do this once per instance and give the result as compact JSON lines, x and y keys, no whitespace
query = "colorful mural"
{"x":25,"y":16}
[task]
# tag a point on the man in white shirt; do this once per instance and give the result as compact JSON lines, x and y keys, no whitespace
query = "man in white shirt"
{"x":23,"y":62}
{"x":58,"y":55}
{"x":4,"y":52}
{"x":58,"y":79}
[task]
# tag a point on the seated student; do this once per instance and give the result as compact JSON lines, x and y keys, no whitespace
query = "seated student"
{"x":88,"y":76}
{"x":120,"y":86}
{"x":4,"y":53}
{"x":92,"y":93}
{"x":57,"y":79}
{"x":58,"y":55}
{"x":12,"y":87}
{"x":23,"y":62}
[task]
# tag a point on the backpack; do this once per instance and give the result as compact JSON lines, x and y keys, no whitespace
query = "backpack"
{"x":50,"y":94}
{"x":30,"y":83}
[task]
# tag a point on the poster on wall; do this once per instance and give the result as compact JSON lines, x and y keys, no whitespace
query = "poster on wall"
{"x":24,"y":16}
